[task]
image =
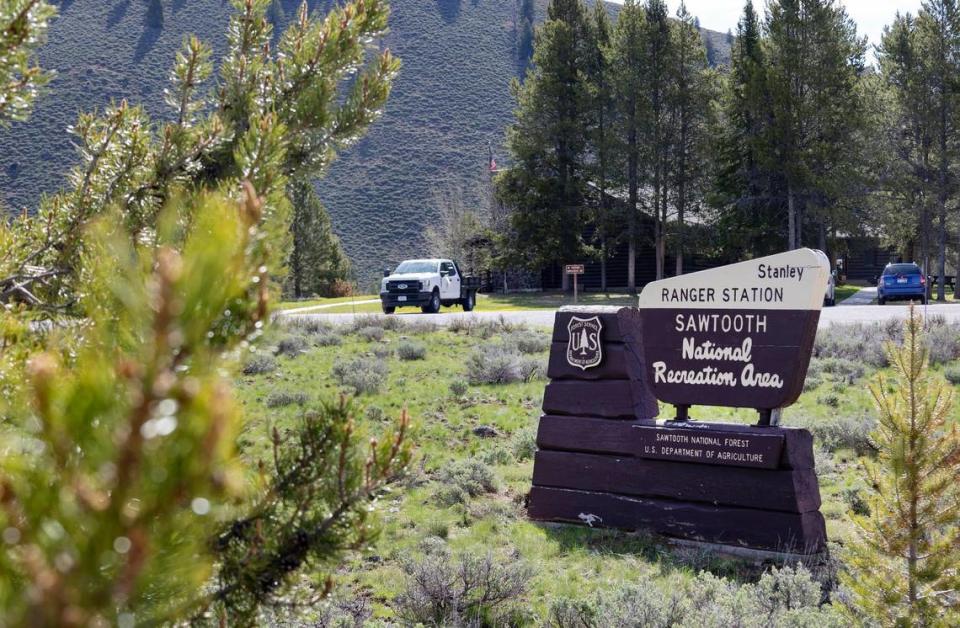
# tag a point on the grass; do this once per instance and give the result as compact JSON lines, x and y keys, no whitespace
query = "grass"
{"x":843,"y":292}
{"x":485,"y":302}
{"x":504,"y":302}
{"x":566,"y":562}
{"x":346,"y":301}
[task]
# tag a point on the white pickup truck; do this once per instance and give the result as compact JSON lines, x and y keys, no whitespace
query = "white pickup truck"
{"x":427,"y":284}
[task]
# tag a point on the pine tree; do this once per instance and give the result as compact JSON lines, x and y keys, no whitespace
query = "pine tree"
{"x":907,"y":132}
{"x":317,"y":262}
{"x":23,"y":28}
{"x":814,"y":59}
{"x":746,"y":178}
{"x":276,"y":14}
{"x":903,"y":569}
{"x":526,"y":33}
{"x":545,"y":188}
{"x":628,"y":65}
{"x":602,"y":140}
{"x":281,"y":112}
{"x":938,"y":32}
{"x":658,"y":130}
{"x":691,"y":100}
{"x":919,"y":64}
{"x":120,"y":489}
{"x":154,"y":17}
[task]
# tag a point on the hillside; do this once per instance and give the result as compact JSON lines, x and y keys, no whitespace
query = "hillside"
{"x":451,"y":101}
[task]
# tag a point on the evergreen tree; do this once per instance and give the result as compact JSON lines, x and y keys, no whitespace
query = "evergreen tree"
{"x":279,"y":113}
{"x":545,"y":188}
{"x":746,"y":178}
{"x":120,"y":489}
{"x":902,"y":570}
{"x":23,"y":28}
{"x":276,"y":14}
{"x":658,"y":129}
{"x":938,"y":32}
{"x":602,"y":140}
{"x":691,"y":104}
{"x":317,"y":262}
{"x":920,"y":62}
{"x":815,"y":60}
{"x":907,"y":133}
{"x":154,"y":17}
{"x":526,"y":33}
{"x":628,"y":65}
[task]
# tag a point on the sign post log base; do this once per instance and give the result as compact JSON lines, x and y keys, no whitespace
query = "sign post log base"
{"x":719,"y":483}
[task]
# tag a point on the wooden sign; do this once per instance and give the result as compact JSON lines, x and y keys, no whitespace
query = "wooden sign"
{"x":707,"y":446}
{"x":573,"y":269}
{"x":738,"y":335}
{"x":604,"y":460}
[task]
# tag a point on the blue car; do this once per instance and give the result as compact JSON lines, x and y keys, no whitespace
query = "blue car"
{"x":902,"y":281}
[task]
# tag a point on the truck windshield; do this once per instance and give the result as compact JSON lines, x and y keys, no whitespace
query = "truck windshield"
{"x":416,"y":266}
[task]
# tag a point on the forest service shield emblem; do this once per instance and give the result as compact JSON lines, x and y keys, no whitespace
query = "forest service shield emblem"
{"x":584,"y":349}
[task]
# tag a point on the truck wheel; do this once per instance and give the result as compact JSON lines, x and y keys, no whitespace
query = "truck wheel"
{"x":470,"y":301}
{"x":389,"y":310}
{"x":434,"y":306}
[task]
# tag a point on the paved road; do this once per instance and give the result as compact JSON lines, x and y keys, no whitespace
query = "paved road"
{"x":544,"y":318}
{"x":864,"y":296}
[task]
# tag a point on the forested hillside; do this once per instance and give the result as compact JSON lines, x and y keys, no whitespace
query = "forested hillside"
{"x":449,"y":103}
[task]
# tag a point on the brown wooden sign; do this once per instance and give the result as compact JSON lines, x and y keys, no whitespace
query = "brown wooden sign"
{"x":573,"y":269}
{"x":703,"y":445}
{"x":604,"y":460}
{"x":737,"y":336}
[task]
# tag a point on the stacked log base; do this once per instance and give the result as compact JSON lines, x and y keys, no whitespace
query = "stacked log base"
{"x":601,"y":462}
{"x":590,"y":471}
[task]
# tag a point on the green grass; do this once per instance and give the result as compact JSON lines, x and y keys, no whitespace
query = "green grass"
{"x":567,"y":561}
{"x":485,"y":302}
{"x":290,"y":305}
{"x":843,"y":292}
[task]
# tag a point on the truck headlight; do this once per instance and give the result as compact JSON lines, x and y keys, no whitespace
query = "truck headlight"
{"x":424,"y":285}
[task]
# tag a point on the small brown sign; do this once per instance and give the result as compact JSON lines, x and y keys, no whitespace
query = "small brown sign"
{"x":707,"y":446}
{"x":573,"y":269}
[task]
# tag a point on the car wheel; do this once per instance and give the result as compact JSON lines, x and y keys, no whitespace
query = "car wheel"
{"x":470,"y":302}
{"x":434,"y":306}
{"x":389,"y":310}
{"x":923,"y":300}
{"x":881,"y":301}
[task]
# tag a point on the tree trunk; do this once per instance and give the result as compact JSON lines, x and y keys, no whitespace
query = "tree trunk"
{"x":791,"y":219}
{"x":295,"y":270}
{"x":956,"y":273}
{"x":657,"y":225}
{"x":680,"y":234}
{"x":603,"y":263}
{"x":942,"y":253}
{"x":942,"y":200}
{"x":632,"y":164}
{"x":925,"y":239}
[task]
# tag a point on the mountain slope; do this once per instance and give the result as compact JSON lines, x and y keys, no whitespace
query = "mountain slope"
{"x":451,"y":101}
